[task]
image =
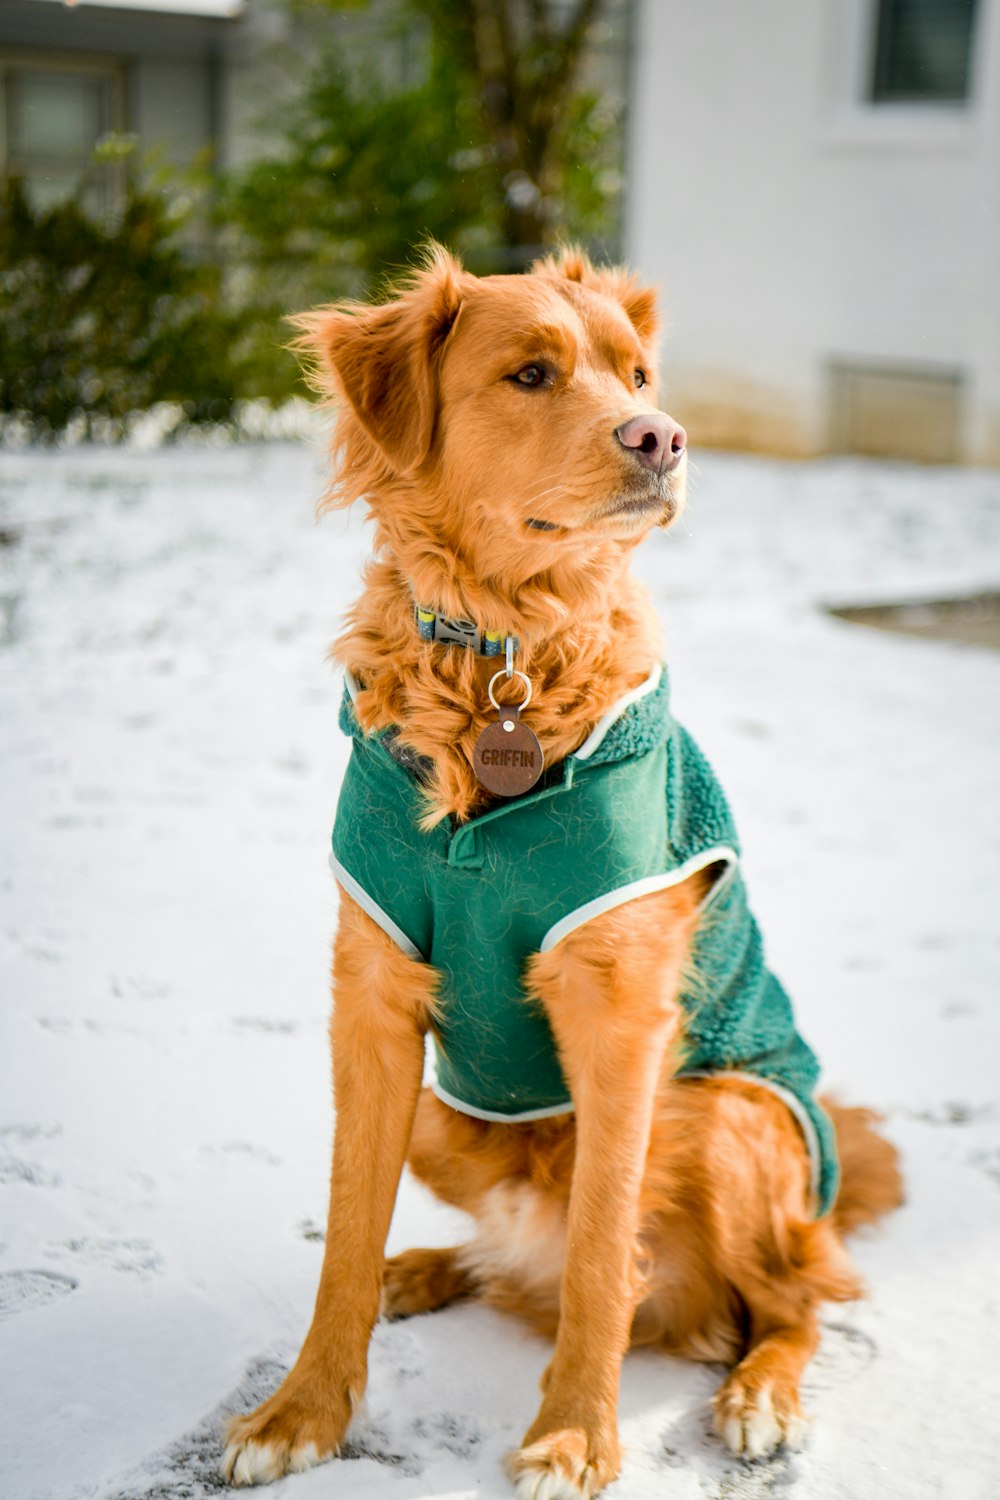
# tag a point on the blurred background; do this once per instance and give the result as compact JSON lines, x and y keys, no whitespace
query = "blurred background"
{"x":816,"y":188}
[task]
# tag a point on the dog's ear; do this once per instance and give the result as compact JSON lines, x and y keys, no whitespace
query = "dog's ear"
{"x":639,"y":302}
{"x":383,"y":360}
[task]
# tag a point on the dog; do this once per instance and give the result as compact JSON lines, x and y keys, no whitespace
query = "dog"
{"x":622,"y":1102}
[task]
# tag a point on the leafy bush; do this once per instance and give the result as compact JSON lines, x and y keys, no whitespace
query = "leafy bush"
{"x":496,"y":153}
{"x":100,"y":321}
{"x":493,"y":148}
{"x":364,"y":176}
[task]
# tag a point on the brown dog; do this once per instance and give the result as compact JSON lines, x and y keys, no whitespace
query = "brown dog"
{"x":503,"y":433}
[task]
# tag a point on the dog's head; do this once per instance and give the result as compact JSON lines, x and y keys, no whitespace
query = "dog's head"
{"x":508,"y":417}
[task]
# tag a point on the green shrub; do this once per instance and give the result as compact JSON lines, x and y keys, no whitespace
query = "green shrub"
{"x":360,"y":176}
{"x":99,"y":321}
{"x":497,"y":155}
{"x":493,"y":149}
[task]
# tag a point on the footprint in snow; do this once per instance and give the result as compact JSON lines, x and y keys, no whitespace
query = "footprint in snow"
{"x":26,"y":1291}
{"x":189,"y":1468}
{"x":456,"y":1434}
{"x":138,"y":1257}
{"x":986,"y":1160}
{"x":268,"y":1024}
{"x":23,"y":1133}
{"x":844,"y":1352}
{"x":15,"y":1172}
{"x":139,"y":987}
{"x":759,"y":1481}
{"x":227,"y":1151}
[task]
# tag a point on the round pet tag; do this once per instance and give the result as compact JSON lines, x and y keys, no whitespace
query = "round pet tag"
{"x":508,"y":758}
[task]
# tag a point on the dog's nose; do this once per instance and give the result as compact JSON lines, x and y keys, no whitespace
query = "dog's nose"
{"x":656,"y":440}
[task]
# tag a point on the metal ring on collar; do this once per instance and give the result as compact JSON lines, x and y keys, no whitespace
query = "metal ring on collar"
{"x":527,"y":697}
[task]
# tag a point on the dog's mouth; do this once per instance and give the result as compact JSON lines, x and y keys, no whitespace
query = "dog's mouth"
{"x":655,"y":504}
{"x":639,"y":505}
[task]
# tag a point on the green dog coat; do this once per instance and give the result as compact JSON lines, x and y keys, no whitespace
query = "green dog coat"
{"x":636,"y":809}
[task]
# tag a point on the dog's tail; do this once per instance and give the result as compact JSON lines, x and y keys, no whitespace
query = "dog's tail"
{"x":871,"y":1183}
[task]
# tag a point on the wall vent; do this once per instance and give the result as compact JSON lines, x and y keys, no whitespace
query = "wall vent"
{"x":904,"y":411}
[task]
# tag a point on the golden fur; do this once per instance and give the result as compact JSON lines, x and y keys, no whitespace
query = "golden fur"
{"x":665,"y":1212}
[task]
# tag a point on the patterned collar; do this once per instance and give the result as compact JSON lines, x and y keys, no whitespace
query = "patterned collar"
{"x":445,"y":631}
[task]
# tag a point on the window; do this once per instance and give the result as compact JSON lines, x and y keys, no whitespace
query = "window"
{"x":923,"y":51}
{"x":54,"y":116}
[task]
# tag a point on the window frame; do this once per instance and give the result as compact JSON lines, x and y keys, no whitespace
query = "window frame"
{"x":878,"y":65}
{"x":109,"y":70}
{"x":850,"y":121}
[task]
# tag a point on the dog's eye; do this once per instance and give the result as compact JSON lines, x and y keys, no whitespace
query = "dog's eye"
{"x":640,"y":379}
{"x":530,"y":375}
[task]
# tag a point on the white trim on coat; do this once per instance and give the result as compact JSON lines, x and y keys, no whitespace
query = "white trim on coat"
{"x":493,"y":1115}
{"x":720,"y":854}
{"x":355,"y":889}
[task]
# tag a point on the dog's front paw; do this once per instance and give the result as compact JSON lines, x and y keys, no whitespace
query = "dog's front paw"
{"x":300,"y":1426}
{"x":755,"y":1417}
{"x":565,"y":1464}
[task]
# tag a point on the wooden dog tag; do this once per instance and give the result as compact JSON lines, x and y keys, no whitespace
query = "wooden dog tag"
{"x":508,"y":759}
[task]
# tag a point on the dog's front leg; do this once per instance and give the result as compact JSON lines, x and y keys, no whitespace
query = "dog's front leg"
{"x":609,"y":989}
{"x":382,"y":1001}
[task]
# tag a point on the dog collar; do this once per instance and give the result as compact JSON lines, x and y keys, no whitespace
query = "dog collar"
{"x":443,"y":630}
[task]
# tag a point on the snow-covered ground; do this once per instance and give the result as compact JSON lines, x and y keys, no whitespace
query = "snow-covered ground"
{"x":170,"y":765}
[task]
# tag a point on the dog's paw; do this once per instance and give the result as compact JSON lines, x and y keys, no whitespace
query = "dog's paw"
{"x":249,"y":1460}
{"x":564,"y":1465}
{"x":290,"y":1433}
{"x":754,"y":1418}
{"x":420,"y":1281}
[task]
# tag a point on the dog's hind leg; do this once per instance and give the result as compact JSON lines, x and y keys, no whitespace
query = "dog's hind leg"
{"x":803,"y":1263}
{"x":781,"y":1283}
{"x":778,"y":1260}
{"x":382,"y":1000}
{"x":610,"y":990}
{"x":756,"y":1409}
{"x":420,"y":1281}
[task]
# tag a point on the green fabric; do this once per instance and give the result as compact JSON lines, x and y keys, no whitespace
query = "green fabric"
{"x":477,"y":900}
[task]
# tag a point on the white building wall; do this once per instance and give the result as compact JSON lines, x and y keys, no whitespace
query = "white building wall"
{"x":793,"y":226}
{"x":172,"y":106}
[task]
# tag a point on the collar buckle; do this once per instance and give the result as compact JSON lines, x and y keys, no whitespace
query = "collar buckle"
{"x":443,"y":630}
